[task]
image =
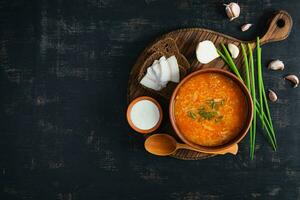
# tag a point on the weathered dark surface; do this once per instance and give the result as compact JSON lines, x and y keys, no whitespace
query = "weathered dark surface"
{"x":63,"y":76}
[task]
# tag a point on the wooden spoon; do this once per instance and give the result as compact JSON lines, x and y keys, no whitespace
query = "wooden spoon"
{"x":165,"y":145}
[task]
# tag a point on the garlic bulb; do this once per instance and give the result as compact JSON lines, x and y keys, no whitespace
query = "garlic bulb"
{"x":276,"y":65}
{"x":232,"y":10}
{"x":272,"y":95}
{"x":234,"y":50}
{"x":246,"y":27}
{"x":294,"y":79}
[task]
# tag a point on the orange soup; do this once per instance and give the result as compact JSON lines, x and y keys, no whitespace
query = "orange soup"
{"x":210,"y":109}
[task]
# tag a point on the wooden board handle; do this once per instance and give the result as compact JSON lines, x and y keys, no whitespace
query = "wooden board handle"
{"x":279,"y":27}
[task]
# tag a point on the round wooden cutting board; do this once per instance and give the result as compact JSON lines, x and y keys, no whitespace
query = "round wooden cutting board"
{"x":186,"y":41}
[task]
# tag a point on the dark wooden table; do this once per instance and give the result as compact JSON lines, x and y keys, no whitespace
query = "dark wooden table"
{"x":64,"y":67}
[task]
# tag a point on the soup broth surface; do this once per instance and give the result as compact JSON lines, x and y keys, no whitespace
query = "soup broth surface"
{"x":210,"y":109}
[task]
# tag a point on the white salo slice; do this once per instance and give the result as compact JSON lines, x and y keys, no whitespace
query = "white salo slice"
{"x":175,"y":74}
{"x":156,"y":68}
{"x":165,"y":70}
{"x":147,"y":82}
{"x":206,"y":52}
{"x":155,"y":63}
{"x":163,"y":84}
{"x":151,"y":74}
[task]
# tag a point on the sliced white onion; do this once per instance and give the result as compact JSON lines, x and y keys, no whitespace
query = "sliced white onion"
{"x":206,"y":52}
{"x":175,"y":74}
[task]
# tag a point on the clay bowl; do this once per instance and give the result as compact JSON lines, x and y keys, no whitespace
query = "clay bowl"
{"x":144,"y":131}
{"x":239,"y":137}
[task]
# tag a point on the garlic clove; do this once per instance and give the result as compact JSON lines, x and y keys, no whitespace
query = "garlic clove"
{"x":294,"y":79}
{"x":272,"y":95}
{"x":246,"y":27}
{"x":232,"y":10}
{"x":276,"y":65}
{"x":234,"y":50}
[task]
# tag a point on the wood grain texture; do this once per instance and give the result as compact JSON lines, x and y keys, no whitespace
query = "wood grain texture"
{"x":64,"y":68}
{"x":186,"y":41}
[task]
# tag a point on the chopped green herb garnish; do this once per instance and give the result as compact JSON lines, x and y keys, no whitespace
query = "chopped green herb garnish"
{"x":192,"y":115}
{"x":206,"y":114}
{"x":213,"y":104}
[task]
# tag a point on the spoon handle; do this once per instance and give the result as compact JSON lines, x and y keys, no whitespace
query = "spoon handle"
{"x":232,"y":150}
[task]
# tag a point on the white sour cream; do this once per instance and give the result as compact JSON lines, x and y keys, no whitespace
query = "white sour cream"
{"x":144,"y":114}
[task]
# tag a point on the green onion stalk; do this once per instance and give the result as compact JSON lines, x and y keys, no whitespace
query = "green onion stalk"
{"x":261,"y":106}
